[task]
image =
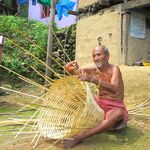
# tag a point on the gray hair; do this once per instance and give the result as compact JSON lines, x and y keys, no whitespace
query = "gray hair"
{"x":106,"y":51}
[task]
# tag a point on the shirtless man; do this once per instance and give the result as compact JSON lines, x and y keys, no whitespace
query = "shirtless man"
{"x":111,"y":94}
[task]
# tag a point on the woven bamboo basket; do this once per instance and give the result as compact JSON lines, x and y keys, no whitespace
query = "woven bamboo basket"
{"x":69,"y":109}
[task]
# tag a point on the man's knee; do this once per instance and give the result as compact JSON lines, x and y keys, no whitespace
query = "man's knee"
{"x":117,"y":114}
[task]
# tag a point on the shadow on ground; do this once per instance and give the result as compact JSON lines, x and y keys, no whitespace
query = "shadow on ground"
{"x":124,"y":139}
{"x":112,"y":140}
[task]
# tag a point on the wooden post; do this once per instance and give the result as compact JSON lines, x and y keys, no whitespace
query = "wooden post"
{"x":50,"y":38}
{"x":18,"y":10}
{"x":125,"y":30}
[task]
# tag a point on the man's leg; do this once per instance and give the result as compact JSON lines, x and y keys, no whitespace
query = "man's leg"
{"x":116,"y":116}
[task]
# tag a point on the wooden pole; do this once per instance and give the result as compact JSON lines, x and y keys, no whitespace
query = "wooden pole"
{"x":125,"y":32}
{"x":50,"y":38}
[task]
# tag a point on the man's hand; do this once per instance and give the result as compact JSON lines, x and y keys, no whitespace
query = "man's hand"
{"x":90,"y":78}
{"x":85,"y":77}
{"x":71,"y":67}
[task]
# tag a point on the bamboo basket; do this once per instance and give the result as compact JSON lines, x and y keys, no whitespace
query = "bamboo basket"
{"x":69,"y":109}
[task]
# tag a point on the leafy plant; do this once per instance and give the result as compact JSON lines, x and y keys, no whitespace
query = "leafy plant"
{"x":32,"y":36}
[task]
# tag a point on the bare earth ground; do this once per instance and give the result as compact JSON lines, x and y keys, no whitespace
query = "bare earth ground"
{"x":135,"y":137}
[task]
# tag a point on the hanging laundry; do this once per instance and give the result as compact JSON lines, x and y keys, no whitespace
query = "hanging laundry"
{"x":21,"y":2}
{"x":45,"y":2}
{"x":33,"y":2}
{"x":63,"y":6}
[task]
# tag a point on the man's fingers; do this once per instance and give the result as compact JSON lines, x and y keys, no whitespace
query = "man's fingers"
{"x":72,"y":63}
{"x":75,"y":64}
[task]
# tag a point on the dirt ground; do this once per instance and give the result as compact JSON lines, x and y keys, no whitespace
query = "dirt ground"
{"x":135,"y":137}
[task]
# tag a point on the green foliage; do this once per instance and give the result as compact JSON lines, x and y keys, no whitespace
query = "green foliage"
{"x":24,"y":10}
{"x":23,"y":33}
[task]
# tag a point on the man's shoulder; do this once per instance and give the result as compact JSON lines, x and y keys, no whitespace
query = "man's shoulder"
{"x":114,"y":66}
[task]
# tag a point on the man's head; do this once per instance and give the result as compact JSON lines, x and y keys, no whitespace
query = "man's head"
{"x":100,"y":56}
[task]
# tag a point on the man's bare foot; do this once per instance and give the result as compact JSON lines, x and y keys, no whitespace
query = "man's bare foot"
{"x":71,"y":142}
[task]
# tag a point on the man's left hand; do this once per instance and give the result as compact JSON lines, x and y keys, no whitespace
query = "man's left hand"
{"x":85,"y":77}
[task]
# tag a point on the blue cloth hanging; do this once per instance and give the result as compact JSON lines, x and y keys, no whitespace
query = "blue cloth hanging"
{"x":33,"y":2}
{"x":63,"y":6}
{"x":21,"y":2}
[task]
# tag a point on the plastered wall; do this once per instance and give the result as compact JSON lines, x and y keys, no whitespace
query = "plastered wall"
{"x":106,"y":25}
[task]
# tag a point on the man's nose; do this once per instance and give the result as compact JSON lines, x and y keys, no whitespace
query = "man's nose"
{"x":96,"y":58}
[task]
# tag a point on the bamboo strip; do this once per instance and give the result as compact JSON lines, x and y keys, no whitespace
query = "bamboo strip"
{"x":28,"y":105}
{"x":41,"y":75}
{"x":16,"y":122}
{"x":15,"y":91}
{"x":34,"y":57}
{"x":25,"y":79}
{"x":27,"y":123}
{"x":12,"y":141}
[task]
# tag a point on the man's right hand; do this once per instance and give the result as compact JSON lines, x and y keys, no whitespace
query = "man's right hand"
{"x":71,"y":67}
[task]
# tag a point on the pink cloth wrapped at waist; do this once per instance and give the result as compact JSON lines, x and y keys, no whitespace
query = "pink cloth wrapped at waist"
{"x":108,"y":105}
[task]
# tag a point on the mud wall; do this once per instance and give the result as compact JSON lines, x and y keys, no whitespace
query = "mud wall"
{"x":105,"y":24}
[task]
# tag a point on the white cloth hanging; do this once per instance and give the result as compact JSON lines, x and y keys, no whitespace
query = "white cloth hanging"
{"x":1,"y":40}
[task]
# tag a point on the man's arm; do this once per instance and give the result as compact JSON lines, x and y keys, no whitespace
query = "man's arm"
{"x":112,"y":86}
{"x":115,"y":79}
{"x":74,"y":69}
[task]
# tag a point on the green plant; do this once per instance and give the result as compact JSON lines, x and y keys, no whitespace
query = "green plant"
{"x":32,"y":36}
{"x":23,"y":33}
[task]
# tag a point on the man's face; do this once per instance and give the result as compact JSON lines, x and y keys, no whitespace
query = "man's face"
{"x":99,"y":57}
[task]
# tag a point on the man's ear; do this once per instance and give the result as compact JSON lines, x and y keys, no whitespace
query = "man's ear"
{"x":108,"y":57}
